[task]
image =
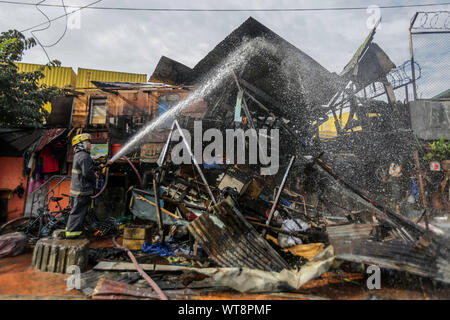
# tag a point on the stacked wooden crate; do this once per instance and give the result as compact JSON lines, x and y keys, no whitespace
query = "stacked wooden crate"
{"x":135,"y":236}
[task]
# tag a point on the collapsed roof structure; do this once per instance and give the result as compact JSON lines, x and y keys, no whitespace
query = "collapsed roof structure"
{"x":335,"y":195}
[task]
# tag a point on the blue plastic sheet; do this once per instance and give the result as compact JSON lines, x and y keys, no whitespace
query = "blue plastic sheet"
{"x":163,"y":250}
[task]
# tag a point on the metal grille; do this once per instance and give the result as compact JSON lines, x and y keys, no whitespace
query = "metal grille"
{"x":430,"y":48}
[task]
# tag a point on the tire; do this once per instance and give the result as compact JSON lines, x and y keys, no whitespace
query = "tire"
{"x":16,"y":225}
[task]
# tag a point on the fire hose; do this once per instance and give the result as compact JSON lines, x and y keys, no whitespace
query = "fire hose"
{"x":144,"y":275}
{"x":107,"y":175}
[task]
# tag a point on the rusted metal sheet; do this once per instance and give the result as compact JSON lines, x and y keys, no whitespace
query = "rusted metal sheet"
{"x":135,"y":103}
{"x":49,"y":136}
{"x":171,"y":72}
{"x":150,"y":152}
{"x":349,"y":232}
{"x":352,"y":243}
{"x":115,"y":290}
{"x":232,"y":242}
{"x":80,"y":111}
{"x":195,"y":110}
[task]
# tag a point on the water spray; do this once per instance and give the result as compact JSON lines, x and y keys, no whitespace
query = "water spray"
{"x":235,"y":60}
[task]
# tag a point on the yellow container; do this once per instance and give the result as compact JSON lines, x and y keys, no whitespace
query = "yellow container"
{"x":85,"y":76}
{"x":55,"y":76}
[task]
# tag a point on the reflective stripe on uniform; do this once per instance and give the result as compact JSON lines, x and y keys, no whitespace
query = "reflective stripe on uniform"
{"x":81,"y":193}
{"x":73,"y":233}
{"x":76,"y":171}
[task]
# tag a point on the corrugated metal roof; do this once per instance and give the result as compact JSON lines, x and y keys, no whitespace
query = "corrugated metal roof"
{"x":232,"y":242}
{"x":49,"y":136}
{"x":127,"y":85}
{"x":20,"y":139}
{"x":85,"y":76}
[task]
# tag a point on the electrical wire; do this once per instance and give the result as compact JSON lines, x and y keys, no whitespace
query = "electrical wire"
{"x":45,"y":28}
{"x":49,"y":22}
{"x":238,"y":10}
{"x":59,"y":17}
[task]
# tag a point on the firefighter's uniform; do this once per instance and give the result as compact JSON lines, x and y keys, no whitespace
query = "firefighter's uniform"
{"x":81,"y":186}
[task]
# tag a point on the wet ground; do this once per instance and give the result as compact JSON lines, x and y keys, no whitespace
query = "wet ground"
{"x":18,"y":280}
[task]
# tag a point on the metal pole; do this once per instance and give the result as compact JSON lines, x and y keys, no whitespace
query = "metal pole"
{"x":411,"y":53}
{"x":158,"y":208}
{"x":277,"y":198}
{"x":162,"y":157}
{"x":195,"y":162}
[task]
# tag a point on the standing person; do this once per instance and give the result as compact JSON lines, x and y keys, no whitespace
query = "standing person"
{"x":81,"y":185}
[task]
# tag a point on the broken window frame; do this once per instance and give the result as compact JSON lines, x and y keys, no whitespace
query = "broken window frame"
{"x":95,"y":104}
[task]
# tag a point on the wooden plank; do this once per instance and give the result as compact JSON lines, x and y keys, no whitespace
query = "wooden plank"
{"x":133,"y":244}
{"x":420,"y":178}
{"x":137,"y":233}
{"x":128,"y":266}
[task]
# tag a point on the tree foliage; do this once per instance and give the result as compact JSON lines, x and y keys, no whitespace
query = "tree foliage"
{"x":440,"y":150}
{"x":21,"y":96}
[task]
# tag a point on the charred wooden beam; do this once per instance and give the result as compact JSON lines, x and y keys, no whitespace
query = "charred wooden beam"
{"x":416,"y":234}
{"x":352,"y":243}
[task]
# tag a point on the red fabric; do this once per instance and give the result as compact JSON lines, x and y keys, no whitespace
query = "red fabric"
{"x":50,"y":164}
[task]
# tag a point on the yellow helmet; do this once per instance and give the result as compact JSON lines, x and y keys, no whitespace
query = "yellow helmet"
{"x":80,"y":138}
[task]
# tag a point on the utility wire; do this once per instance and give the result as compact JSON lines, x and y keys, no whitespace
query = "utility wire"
{"x":49,"y":22}
{"x":233,"y":10}
{"x":47,"y":27}
{"x":54,"y":5}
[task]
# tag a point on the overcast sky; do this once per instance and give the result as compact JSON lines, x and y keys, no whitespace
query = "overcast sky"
{"x":134,"y":41}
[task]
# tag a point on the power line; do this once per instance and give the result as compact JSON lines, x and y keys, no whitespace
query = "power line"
{"x":229,"y":10}
{"x":47,"y":27}
{"x":49,"y":24}
{"x":54,"y":5}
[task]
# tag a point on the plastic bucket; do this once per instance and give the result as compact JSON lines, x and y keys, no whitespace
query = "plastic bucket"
{"x":115,"y":148}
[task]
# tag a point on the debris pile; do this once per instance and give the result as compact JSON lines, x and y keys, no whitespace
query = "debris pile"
{"x":332,"y":207}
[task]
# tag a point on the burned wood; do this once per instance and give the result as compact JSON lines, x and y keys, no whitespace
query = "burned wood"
{"x":394,"y":255}
{"x":420,"y":179}
{"x":162,"y":209}
{"x":173,"y":201}
{"x":149,"y":280}
{"x":412,"y":231}
{"x":158,"y":207}
{"x":128,"y":266}
{"x":194,"y":160}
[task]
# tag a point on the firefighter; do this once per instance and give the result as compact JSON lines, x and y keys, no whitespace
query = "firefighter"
{"x":81,"y":186}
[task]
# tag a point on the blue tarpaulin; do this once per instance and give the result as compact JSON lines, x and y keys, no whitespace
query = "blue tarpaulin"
{"x":163,"y":250}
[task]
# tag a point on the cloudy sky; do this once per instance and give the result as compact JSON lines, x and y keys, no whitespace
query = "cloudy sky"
{"x":131,"y":41}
